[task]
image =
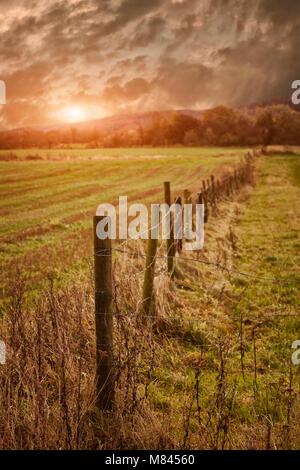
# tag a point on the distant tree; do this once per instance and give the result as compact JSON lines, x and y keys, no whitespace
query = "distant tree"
{"x":266,"y":125}
{"x":285,"y":125}
{"x":209,"y":136}
{"x":179,"y":125}
{"x":191,"y":137}
{"x":222,"y":121}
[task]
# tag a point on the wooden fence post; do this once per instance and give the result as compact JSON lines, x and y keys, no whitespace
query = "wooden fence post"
{"x":105,"y":376}
{"x":227,"y":186}
{"x":201,"y":201}
{"x":242,"y":171}
{"x":186,"y":196}
{"x":205,"y":202}
{"x":212,"y":179}
{"x":218,"y":189}
{"x":170,"y":241}
{"x":236,"y":180}
{"x":213,"y":193}
{"x":231,"y":184}
{"x":222,"y":187}
{"x":178,"y":242}
{"x":149,"y":274}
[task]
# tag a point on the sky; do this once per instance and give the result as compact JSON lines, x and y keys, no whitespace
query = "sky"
{"x":65,"y":61}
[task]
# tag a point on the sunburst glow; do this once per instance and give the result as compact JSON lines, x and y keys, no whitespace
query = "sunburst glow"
{"x":75,"y":114}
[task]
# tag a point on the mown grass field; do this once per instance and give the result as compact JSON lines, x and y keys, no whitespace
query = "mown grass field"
{"x":216,"y":370}
{"x":46,"y":207}
{"x":78,"y":152}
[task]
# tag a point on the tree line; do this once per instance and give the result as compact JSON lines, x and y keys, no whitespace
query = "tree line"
{"x":222,"y":126}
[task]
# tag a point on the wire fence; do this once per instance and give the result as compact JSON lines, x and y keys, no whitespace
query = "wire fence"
{"x":196,"y":260}
{"x":212,"y":191}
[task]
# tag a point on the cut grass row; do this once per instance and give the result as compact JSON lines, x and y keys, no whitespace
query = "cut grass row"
{"x":61,"y":204}
{"x":83,"y":153}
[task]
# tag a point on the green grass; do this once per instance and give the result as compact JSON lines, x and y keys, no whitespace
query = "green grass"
{"x":267,"y":231}
{"x":46,"y":204}
{"x":123,"y":152}
{"x":295,"y":168}
{"x":268,"y":238}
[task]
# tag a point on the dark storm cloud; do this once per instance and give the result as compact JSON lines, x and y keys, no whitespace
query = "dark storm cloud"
{"x":279,"y":12}
{"x":145,"y":54}
{"x":182,"y":83}
{"x":267,"y":61}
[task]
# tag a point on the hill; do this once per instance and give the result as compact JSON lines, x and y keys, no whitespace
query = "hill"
{"x":132,"y":121}
{"x":112,"y":123}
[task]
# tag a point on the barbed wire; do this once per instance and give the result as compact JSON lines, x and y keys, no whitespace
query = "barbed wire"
{"x":167,"y":213}
{"x":208,"y":263}
{"x":205,"y":320}
{"x":140,"y":364}
{"x":259,"y":370}
{"x":156,"y":256}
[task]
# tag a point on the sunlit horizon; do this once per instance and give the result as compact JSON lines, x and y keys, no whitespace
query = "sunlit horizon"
{"x":77,"y":113}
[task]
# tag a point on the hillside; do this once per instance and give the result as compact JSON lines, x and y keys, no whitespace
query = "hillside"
{"x":111,"y":123}
{"x":134,"y":120}
{"x":254,"y":124}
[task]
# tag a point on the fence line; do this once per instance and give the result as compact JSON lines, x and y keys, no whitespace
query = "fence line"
{"x":201,"y":320}
{"x":209,"y":263}
{"x":212,"y":191}
{"x":258,"y":370}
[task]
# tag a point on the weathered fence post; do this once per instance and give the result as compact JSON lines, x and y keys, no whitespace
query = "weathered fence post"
{"x":204,"y":198}
{"x":170,"y":241}
{"x":208,"y":187}
{"x":186,"y":196}
{"x":105,"y":375}
{"x":201,"y":201}
{"x":178,"y":242}
{"x":213,"y":191}
{"x":149,"y":274}
{"x":218,"y":189}
{"x":227,"y":186}
{"x":212,"y":179}
{"x":231,"y":184}
{"x":242,"y":172}
{"x":236,"y":180}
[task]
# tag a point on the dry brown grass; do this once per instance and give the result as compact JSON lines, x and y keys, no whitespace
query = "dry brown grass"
{"x":47,"y":385}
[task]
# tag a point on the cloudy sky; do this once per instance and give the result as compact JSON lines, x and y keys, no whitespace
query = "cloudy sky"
{"x":82,"y":59}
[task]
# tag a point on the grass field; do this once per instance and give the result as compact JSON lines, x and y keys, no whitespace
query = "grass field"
{"x":214,"y":373}
{"x":46,"y":208}
{"x":83,"y":153}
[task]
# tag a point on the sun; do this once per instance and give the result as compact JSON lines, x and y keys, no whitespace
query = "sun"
{"x":75,"y":114}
